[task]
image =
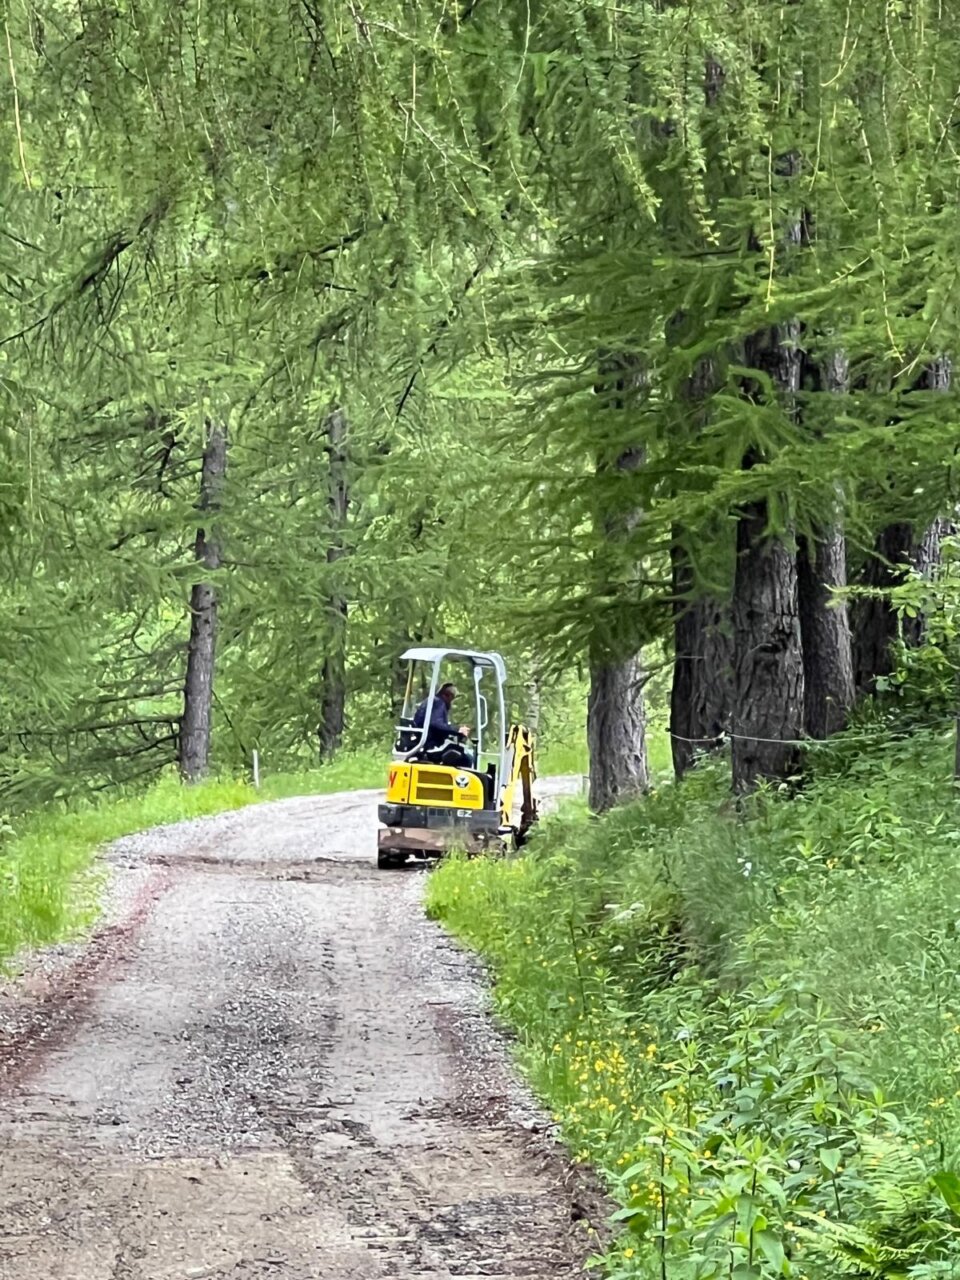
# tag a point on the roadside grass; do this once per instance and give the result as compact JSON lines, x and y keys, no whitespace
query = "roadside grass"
{"x":569,"y":757}
{"x":562,"y":759}
{"x":748,"y":1021}
{"x":47,"y":889}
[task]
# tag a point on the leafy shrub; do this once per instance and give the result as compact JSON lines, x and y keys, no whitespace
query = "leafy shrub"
{"x":719,"y":1004}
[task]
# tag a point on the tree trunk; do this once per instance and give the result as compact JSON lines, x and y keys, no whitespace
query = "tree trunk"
{"x":399,"y":669}
{"x":768,"y":667}
{"x":876,"y":632}
{"x":701,"y":692}
{"x":533,"y":700}
{"x":333,"y":701}
{"x":877,"y":627}
{"x":768,"y":661}
{"x":829,"y":690}
{"x":201,"y":653}
{"x":926,"y":554}
{"x":702,"y":673}
{"x":616,"y":717}
{"x":929,"y":550}
{"x":616,"y":734}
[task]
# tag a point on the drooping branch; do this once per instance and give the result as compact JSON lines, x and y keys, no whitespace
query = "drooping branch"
{"x":95,"y":270}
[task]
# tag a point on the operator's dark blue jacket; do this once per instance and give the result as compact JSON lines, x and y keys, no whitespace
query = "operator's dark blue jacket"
{"x":440,"y":727}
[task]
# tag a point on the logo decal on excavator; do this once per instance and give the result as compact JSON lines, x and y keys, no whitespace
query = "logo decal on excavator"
{"x":393,"y":776}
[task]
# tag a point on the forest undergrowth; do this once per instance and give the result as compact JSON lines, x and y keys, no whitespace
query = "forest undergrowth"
{"x":747,"y":1019}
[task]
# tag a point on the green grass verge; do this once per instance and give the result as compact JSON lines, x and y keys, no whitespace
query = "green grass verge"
{"x":566,"y":758}
{"x":47,"y":893}
{"x":749,"y":1023}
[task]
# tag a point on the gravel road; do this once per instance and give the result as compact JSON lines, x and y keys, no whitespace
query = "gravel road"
{"x":268,"y":1063}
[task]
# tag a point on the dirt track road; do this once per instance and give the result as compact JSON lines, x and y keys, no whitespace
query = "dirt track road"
{"x":269,"y":1064}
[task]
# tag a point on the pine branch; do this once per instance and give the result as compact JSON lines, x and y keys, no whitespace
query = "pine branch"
{"x":94,"y":270}
{"x":442,"y":328}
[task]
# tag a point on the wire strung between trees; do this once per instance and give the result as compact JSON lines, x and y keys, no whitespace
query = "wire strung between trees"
{"x":728,"y":735}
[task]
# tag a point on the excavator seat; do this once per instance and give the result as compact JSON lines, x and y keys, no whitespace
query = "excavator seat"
{"x":407,"y":736}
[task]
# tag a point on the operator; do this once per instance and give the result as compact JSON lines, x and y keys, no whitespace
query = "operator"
{"x":440,"y":727}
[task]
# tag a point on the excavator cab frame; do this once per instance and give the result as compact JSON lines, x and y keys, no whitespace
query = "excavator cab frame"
{"x":435,"y":801}
{"x":412,"y":742}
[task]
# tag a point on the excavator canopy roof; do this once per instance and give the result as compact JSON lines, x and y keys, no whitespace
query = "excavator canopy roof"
{"x":492,"y":660}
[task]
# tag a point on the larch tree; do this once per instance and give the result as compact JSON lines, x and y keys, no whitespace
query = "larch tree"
{"x":195,"y":723}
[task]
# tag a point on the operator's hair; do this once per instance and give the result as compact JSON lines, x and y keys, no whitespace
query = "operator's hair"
{"x":448,"y":686}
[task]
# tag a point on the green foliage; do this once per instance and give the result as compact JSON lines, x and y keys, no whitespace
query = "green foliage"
{"x":714,"y":172}
{"x":747,"y":1018}
{"x":253,"y":216}
{"x":434,"y":217}
{"x":926,"y":678}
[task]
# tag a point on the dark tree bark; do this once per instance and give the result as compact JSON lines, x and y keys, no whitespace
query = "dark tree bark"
{"x":929,"y":551}
{"x":713,"y":81}
{"x":616,"y":717}
{"x":616,"y":734}
{"x":768,"y":661}
{"x":898,"y":548}
{"x":703,"y":669}
{"x":201,"y":654}
{"x":702,"y":688}
{"x":829,"y":690}
{"x":333,"y":702}
{"x":768,"y":665}
{"x":877,"y":630}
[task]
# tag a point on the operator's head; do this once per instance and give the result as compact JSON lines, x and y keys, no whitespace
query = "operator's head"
{"x":448,"y":692}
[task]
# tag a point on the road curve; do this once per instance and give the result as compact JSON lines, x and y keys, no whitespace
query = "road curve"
{"x":267,"y":1063}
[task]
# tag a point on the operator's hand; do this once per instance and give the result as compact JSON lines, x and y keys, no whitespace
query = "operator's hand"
{"x":464,"y":731}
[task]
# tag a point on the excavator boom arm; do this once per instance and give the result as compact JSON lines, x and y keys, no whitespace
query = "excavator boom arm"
{"x":518,"y":806}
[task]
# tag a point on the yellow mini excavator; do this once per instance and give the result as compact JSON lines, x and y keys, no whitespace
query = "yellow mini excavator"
{"x":447,"y":790}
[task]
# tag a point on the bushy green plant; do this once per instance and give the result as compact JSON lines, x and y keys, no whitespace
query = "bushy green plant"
{"x":925,"y":678}
{"x":719,"y":1002}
